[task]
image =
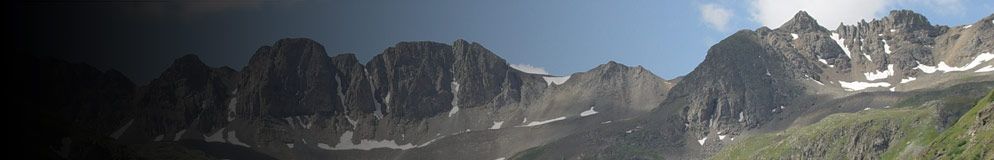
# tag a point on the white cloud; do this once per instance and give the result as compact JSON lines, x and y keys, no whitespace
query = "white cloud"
{"x":829,"y":13}
{"x":529,"y":69}
{"x":715,"y":16}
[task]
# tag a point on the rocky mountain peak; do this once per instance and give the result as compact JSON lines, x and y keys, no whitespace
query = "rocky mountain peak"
{"x":907,"y":20}
{"x":189,"y":68}
{"x":188,"y":60}
{"x":802,"y":22}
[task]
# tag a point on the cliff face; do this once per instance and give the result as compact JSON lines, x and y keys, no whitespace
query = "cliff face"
{"x":292,"y":96}
{"x":770,"y":89}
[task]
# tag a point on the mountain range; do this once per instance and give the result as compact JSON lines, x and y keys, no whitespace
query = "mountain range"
{"x":898,"y":87}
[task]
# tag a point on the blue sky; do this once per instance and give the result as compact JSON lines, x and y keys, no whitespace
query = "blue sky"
{"x":668,"y":37}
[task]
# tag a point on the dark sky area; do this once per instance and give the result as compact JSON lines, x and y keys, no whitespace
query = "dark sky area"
{"x":142,"y":37}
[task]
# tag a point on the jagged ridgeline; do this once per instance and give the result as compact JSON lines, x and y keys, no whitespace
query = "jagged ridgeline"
{"x":893,"y":88}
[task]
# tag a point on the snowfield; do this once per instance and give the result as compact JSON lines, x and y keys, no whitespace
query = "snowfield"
{"x":943,"y":67}
{"x":857,"y":85}
{"x":871,"y":76}
{"x":497,"y":125}
{"x":538,"y":123}
{"x":588,"y":112}
{"x":841,"y":42}
{"x":120,"y":131}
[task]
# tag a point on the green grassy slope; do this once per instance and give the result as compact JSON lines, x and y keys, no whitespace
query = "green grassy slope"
{"x":898,"y":133}
{"x":969,"y":138}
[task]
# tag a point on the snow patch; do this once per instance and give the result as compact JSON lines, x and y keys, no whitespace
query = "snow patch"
{"x":841,"y":42}
{"x":867,"y":57}
{"x":532,"y":124}
{"x":605,"y":122}
{"x":497,"y":125}
{"x":341,"y":96}
{"x":179,"y":135}
{"x":886,"y":47}
{"x":216,"y":137}
{"x":501,"y":158}
{"x":988,"y":68}
{"x":234,"y":140}
{"x":893,"y":89}
{"x":159,"y":138}
{"x":345,"y":143}
{"x":588,"y":112}
{"x":866,"y":109}
{"x":983,"y":57}
{"x":823,"y":61}
{"x":893,"y":30}
{"x":871,"y":76}
{"x":555,"y":80}
{"x":721,"y":137}
{"x":857,"y":85}
{"x":120,"y":131}
{"x":793,"y":35}
{"x":353,"y":122}
{"x":741,"y":116}
{"x":232,"y":106}
{"x":455,"y":99}
{"x":289,"y":145}
{"x":816,"y":81}
{"x":289,"y":120}
{"x":967,"y":26}
{"x":909,"y":79}
{"x":702,"y":140}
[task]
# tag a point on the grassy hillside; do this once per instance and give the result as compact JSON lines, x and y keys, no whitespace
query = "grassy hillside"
{"x":913,"y":132}
{"x":970,"y":138}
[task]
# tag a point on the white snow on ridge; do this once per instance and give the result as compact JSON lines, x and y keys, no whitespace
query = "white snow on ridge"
{"x":857,"y":85}
{"x":871,"y":76}
{"x":556,"y":80}
{"x":867,"y":57}
{"x":988,"y":68}
{"x":886,"y":47}
{"x":841,"y":42}
{"x":120,"y":131}
{"x":909,"y":79}
{"x":983,"y":57}
{"x":793,"y":35}
{"x":497,"y":124}
{"x":702,"y":140}
{"x":893,"y":30}
{"x":967,"y":26}
{"x":588,"y":112}
{"x":532,"y":124}
{"x":721,"y":137}
{"x":234,"y":140}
